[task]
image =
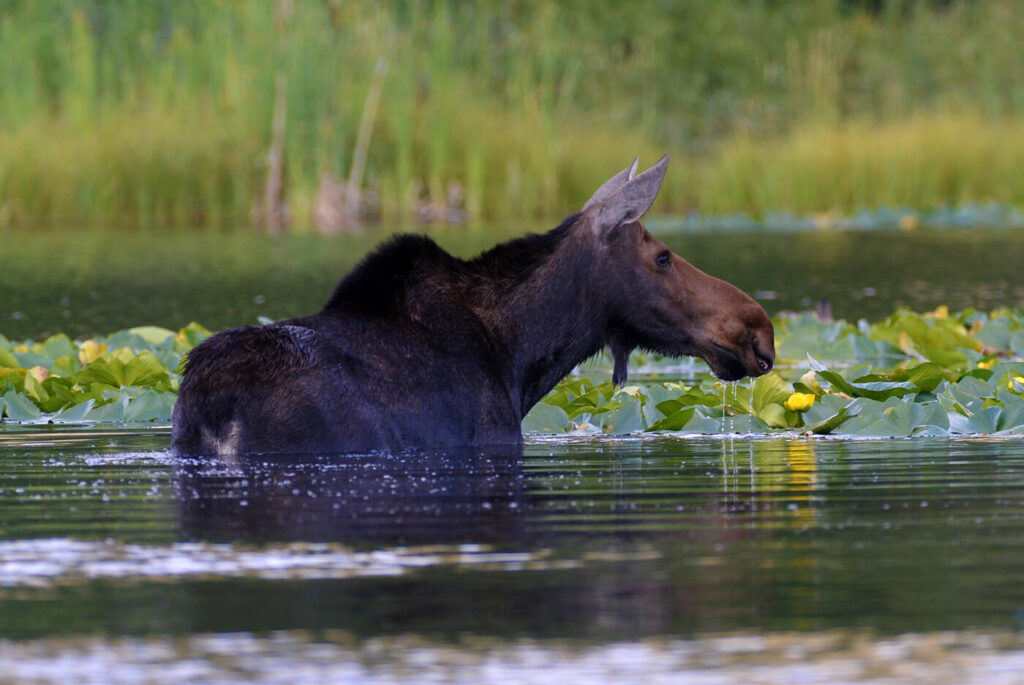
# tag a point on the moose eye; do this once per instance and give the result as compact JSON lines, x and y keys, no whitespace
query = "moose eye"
{"x":663,"y":259}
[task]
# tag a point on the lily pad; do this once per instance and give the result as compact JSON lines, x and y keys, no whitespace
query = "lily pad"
{"x":546,"y":418}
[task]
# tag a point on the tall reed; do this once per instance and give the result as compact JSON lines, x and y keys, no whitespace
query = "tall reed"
{"x":921,"y":162}
{"x":155,"y":114}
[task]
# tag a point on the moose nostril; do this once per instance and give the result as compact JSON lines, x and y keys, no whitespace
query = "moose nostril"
{"x":763,"y":364}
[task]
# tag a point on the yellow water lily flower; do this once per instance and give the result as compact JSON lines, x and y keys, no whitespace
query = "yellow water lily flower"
{"x":986,"y":365}
{"x":1015,"y":378}
{"x":90,"y":351}
{"x":799,"y":401}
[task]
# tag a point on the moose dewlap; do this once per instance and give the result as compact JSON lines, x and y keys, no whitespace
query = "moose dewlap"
{"x":417,"y":348}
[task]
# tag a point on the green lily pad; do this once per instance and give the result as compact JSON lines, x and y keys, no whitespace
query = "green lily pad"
{"x":8,"y":360}
{"x":546,"y":418}
{"x":74,"y":413}
{"x":625,"y":419}
{"x":18,"y":407}
{"x":983,"y":421}
{"x":892,"y":418}
{"x":674,"y":421}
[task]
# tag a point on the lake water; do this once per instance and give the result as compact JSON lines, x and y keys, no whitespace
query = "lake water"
{"x":654,"y":559}
{"x":766,"y":560}
{"x":89,"y":283}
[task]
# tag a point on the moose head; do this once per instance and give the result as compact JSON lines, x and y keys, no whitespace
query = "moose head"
{"x":660,"y":302}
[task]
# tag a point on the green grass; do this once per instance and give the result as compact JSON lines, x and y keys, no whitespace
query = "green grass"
{"x":921,"y":162}
{"x":158,"y":114}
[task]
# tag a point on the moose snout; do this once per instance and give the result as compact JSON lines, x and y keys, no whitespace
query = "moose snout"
{"x":759,"y":357}
{"x":731,"y":362}
{"x":764,"y":360}
{"x":750,"y":349}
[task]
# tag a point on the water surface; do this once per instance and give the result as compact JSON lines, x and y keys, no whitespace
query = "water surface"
{"x":567,"y":552}
{"x":94,"y":283}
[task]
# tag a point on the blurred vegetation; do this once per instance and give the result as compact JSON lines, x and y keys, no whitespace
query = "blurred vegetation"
{"x":145,"y":113}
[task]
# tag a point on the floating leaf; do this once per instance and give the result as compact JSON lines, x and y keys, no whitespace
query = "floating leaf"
{"x":34,"y":389}
{"x":26,"y":360}
{"x":154,"y":335}
{"x":1017,"y":342}
{"x":925,"y":377}
{"x":14,"y":378}
{"x":892,"y":418}
{"x":769,"y":389}
{"x":8,"y":360}
{"x":983,"y":421}
{"x":774,"y":415}
{"x":73,"y":414}
{"x":745,"y":423}
{"x":546,"y":418}
{"x":625,"y":419}
{"x":674,"y":421}
{"x":149,"y":405}
{"x":703,"y":425}
{"x":949,"y":357}
{"x":57,"y":346}
{"x":995,"y":334}
{"x":20,"y":408}
{"x":141,"y":369}
{"x":1012,"y":415}
{"x":112,"y":412}
{"x":825,"y":416}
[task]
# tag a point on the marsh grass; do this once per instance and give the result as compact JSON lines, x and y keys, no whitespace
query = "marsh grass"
{"x":158,"y":114}
{"x":922,"y":162}
{"x":138,"y":169}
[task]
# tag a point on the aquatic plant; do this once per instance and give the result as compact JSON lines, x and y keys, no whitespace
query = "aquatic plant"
{"x":911,"y":374}
{"x":128,"y":376}
{"x":799,"y":401}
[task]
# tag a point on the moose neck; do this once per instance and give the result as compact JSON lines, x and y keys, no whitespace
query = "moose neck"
{"x":550,"y":320}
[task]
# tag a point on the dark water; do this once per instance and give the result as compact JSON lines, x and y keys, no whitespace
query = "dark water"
{"x":601,"y":540}
{"x":86,"y":283}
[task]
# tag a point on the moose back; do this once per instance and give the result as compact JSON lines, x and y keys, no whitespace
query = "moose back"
{"x":417,"y":348}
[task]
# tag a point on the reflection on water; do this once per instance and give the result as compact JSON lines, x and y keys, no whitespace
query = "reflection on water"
{"x":625,"y":545}
{"x":966,"y":658}
{"x":62,"y":561}
{"x":409,"y":498}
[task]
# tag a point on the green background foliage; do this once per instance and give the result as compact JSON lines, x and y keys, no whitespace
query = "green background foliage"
{"x":159,"y":113}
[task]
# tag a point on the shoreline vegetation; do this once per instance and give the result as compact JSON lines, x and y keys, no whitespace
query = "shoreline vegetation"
{"x":332,"y":113}
{"x":932,"y":374}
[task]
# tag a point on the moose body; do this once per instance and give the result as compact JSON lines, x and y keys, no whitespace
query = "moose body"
{"x":417,"y":348}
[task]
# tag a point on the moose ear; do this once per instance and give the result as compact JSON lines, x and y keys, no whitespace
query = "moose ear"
{"x":612,"y":184}
{"x":632,"y":200}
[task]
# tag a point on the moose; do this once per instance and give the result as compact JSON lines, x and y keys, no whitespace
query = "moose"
{"x":419,"y":349}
